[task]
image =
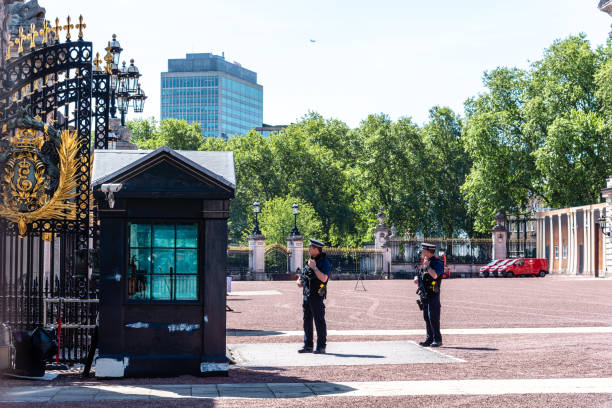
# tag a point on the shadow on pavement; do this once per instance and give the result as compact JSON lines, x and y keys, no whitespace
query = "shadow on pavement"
{"x":355,"y":355}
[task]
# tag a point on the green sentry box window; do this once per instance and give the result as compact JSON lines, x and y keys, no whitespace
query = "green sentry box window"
{"x":163,"y":262}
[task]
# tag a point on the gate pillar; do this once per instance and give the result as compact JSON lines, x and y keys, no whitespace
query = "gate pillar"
{"x":257,"y":264}
{"x":295,"y":244}
{"x":499,"y":236}
{"x":381,"y":241}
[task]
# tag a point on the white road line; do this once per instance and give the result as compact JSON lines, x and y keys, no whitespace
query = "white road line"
{"x":255,"y":293}
{"x":300,"y":390}
{"x":412,"y":332}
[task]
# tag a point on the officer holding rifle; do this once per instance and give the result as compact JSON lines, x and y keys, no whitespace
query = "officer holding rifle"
{"x":313,"y":280}
{"x":429,"y":282}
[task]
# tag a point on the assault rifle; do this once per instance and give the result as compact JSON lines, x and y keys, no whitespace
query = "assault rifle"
{"x":421,"y":291}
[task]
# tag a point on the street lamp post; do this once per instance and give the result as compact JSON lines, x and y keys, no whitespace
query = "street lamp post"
{"x":256,"y":210}
{"x":295,"y":210}
{"x":124,"y":82}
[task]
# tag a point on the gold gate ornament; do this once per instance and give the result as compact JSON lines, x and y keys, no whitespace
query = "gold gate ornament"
{"x":26,"y":176}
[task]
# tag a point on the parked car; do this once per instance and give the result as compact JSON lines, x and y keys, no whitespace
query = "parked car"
{"x":484,"y":270}
{"x":493,"y":269}
{"x":524,"y":267}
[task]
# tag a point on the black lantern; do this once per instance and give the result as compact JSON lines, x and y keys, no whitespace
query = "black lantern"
{"x":138,"y":100}
{"x":114,"y":78}
{"x":123,"y":97}
{"x":256,"y":210}
{"x":603,"y":226}
{"x":295,"y":209}
{"x":115,"y":50}
{"x":132,"y":77}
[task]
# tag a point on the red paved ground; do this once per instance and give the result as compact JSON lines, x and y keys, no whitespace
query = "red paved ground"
{"x":467,"y":303}
{"x":506,"y":401}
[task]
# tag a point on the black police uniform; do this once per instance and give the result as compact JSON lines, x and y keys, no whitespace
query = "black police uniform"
{"x":314,"y":308}
{"x":431,"y":305}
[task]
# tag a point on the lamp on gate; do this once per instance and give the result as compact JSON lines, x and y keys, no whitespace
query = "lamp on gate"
{"x":603,"y":226}
{"x":138,"y":100}
{"x":256,"y":210}
{"x":124,"y":82}
{"x":295,"y":209}
{"x":115,"y":49}
{"x":132,"y":77}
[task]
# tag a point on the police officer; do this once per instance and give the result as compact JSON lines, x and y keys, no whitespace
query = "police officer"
{"x":314,"y":283}
{"x":432,"y":269}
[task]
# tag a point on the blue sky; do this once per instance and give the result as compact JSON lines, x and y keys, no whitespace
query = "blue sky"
{"x":395,"y":57}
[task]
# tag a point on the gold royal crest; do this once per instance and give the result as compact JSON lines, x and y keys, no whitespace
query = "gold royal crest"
{"x":29,"y":192}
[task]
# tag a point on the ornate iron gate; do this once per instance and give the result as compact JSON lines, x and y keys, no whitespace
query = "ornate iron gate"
{"x":47,"y":265}
{"x":276,"y":259}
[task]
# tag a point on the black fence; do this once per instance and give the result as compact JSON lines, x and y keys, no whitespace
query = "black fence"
{"x":237,"y":266}
{"x":456,"y":251}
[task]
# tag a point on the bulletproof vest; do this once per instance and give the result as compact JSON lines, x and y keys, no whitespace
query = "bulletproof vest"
{"x":314,"y":285}
{"x":432,"y":286}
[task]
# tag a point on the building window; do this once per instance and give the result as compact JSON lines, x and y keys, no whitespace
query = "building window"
{"x":163,"y":262}
{"x":564,"y":251}
{"x":556,"y":251}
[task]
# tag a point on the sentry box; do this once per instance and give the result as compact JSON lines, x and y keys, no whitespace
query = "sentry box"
{"x":163,"y":241}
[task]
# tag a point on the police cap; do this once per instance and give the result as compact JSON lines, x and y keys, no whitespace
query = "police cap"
{"x":429,"y":247}
{"x":316,"y":243}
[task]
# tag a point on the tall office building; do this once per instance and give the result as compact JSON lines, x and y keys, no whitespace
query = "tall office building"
{"x":223,"y":97}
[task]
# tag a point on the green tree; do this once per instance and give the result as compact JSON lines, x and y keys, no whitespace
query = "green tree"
{"x":447,"y":166}
{"x":276,"y":220}
{"x":147,"y":134}
{"x":388,"y":174}
{"x":541,"y":134}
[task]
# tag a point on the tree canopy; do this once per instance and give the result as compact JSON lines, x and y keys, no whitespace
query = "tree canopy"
{"x":540,"y":134}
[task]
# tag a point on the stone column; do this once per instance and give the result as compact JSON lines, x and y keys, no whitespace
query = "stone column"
{"x":607,"y":244}
{"x":295,"y":244}
{"x":499,"y":236}
{"x":571,"y":270}
{"x":552,"y":244}
{"x":381,"y":241}
{"x":257,"y":264}
{"x":588,"y":255}
{"x":560,"y":240}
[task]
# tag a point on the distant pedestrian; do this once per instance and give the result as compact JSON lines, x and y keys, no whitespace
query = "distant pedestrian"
{"x":313,"y":281}
{"x":432,"y":269}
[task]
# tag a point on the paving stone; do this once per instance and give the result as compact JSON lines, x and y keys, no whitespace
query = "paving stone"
{"x":338,"y":353}
{"x":290,"y":390}
{"x":245,"y":391}
{"x":209,"y":391}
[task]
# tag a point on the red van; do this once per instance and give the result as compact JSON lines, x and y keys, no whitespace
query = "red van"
{"x":524,"y":267}
{"x":493,"y":269}
{"x":485,"y":270}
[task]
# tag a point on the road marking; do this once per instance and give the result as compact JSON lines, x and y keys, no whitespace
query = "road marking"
{"x":414,"y":332}
{"x":255,"y":293}
{"x":75,"y":393}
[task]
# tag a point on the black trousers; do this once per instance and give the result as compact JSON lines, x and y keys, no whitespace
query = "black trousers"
{"x":314,"y":309}
{"x":431,"y":315}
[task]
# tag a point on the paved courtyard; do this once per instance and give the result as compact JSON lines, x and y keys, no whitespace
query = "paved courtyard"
{"x":507,"y":342}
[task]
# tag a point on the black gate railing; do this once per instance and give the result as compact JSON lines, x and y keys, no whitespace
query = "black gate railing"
{"x":48,"y":272}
